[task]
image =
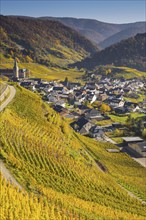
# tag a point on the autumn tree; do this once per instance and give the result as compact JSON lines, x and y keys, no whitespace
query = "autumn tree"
{"x":105,"y":108}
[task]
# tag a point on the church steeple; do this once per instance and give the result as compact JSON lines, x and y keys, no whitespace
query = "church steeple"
{"x":16,"y":69}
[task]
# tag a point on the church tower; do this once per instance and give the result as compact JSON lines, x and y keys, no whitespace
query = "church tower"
{"x":16,"y":69}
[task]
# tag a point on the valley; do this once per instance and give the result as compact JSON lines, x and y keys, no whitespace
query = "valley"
{"x":70,"y":163}
{"x":73,"y":125}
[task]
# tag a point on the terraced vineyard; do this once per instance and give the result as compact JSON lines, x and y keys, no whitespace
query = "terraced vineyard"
{"x":61,"y":171}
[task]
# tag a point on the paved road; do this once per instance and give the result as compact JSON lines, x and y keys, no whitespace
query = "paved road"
{"x":9,"y":99}
{"x":3,"y":87}
{"x":6,"y":174}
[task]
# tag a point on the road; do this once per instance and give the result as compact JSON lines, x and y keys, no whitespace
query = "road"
{"x":8,"y":176}
{"x":9,"y":99}
{"x":5,"y":172}
{"x":3,"y":87}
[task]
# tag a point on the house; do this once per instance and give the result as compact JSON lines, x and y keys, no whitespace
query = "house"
{"x":108,"y":128}
{"x":77,"y":104}
{"x":73,"y":115}
{"x":129,"y":140}
{"x":115,"y":103}
{"x":61,"y":110}
{"x":51,"y":98}
{"x":133,"y":95}
{"x":96,"y":131}
{"x":58,"y":89}
{"x":74,"y":85}
{"x":102,"y":97}
{"x":48,"y":88}
{"x":27,"y":84}
{"x":117,"y":125}
{"x":36,"y":80}
{"x":94,"y":114}
{"x":90,"y":87}
{"x":61,"y":102}
{"x":82,"y":125}
{"x":138,"y":149}
{"x":130,"y":104}
{"x":91,"y":98}
{"x":58,"y":108}
{"x":136,"y":109}
{"x":83,"y":108}
{"x":120,"y":110}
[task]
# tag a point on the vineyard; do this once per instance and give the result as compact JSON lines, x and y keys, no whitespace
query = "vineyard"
{"x":60,"y":171}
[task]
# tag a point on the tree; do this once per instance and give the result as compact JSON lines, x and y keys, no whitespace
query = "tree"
{"x":66,"y":81}
{"x":105,"y":108}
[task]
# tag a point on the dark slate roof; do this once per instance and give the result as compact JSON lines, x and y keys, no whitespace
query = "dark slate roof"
{"x":93,"y":113}
{"x":57,"y":88}
{"x":82,"y":121}
{"x":83,"y":107}
{"x":25,"y":84}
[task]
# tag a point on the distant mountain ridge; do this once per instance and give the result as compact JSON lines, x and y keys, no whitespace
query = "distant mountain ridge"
{"x":102,"y":33}
{"x":123,"y":35}
{"x":130,"y":53}
{"x":47,"y":42}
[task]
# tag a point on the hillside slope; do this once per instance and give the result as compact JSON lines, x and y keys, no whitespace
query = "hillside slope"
{"x":45,"y":42}
{"x":60,"y":171}
{"x":123,"y":35}
{"x":102,"y":33}
{"x":130,"y":52}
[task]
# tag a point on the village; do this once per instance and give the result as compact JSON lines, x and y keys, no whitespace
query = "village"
{"x":105,"y":109}
{"x":96,"y":109}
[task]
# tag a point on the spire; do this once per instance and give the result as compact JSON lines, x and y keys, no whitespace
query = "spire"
{"x":16,"y":69}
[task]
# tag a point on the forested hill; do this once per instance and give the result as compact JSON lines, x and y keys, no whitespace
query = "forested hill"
{"x":130,"y":52}
{"x":102,"y":33}
{"x":42,"y":41}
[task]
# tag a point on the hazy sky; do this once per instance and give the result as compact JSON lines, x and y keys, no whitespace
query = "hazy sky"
{"x":114,"y":11}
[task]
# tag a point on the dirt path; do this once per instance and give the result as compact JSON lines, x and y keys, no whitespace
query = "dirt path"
{"x":9,"y":99}
{"x":6,"y":174}
{"x":133,"y":195}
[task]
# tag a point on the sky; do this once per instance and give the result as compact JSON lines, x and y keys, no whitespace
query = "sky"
{"x":111,"y":11}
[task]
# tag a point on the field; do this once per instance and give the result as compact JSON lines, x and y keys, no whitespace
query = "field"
{"x":61,"y":170}
{"x":123,"y":118}
{"x":130,"y":72}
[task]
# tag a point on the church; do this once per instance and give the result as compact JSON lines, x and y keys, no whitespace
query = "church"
{"x":15,"y":73}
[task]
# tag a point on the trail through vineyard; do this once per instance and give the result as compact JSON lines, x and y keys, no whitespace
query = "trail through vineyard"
{"x":8,"y":176}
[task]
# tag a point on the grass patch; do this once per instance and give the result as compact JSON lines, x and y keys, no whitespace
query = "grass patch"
{"x":129,"y":73}
{"x":116,"y":118}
